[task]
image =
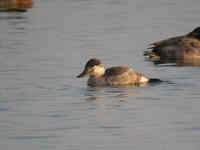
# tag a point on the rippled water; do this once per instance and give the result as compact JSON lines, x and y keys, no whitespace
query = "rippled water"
{"x":44,"y":106}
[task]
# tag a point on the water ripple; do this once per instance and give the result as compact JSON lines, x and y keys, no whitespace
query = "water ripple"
{"x":3,"y":109}
{"x":33,"y":137}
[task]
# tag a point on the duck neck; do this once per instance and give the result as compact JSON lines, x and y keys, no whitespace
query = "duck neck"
{"x":97,"y":77}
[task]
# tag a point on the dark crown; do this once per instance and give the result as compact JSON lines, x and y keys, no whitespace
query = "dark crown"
{"x":196,"y":30}
{"x":93,"y":62}
{"x":195,"y":33}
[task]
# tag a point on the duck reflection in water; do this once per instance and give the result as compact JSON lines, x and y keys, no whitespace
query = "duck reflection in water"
{"x":101,"y":98}
{"x":99,"y":93}
{"x":181,"y":50}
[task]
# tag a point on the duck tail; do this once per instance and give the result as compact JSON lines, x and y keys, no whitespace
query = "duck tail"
{"x":154,"y":80}
{"x":152,"y":55}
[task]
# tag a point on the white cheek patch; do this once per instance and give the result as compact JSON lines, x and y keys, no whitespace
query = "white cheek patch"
{"x":98,"y":70}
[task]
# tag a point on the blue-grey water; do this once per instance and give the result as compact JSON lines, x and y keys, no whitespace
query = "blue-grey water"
{"x":43,"y":106}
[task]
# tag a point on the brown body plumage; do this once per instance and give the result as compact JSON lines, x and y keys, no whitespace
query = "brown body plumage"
{"x":184,"y":48}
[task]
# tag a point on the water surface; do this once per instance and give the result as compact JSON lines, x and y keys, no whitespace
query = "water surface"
{"x":44,"y":106}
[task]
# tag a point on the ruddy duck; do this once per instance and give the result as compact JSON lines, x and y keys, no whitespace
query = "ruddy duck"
{"x":184,"y":48}
{"x":114,"y":76}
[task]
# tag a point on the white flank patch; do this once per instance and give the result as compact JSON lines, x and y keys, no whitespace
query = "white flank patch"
{"x":144,"y":79}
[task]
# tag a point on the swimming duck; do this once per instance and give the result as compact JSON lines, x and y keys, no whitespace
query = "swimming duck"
{"x":186,"y":47}
{"x":114,"y":76}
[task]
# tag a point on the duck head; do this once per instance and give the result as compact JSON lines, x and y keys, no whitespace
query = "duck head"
{"x":93,"y":67}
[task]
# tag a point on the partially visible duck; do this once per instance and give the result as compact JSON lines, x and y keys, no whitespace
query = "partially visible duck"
{"x":183,"y":48}
{"x":114,"y":76}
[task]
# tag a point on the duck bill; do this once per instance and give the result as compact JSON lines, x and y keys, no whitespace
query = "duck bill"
{"x":83,"y":74}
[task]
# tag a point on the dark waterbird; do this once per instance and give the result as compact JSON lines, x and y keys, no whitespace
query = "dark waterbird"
{"x":183,"y":50}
